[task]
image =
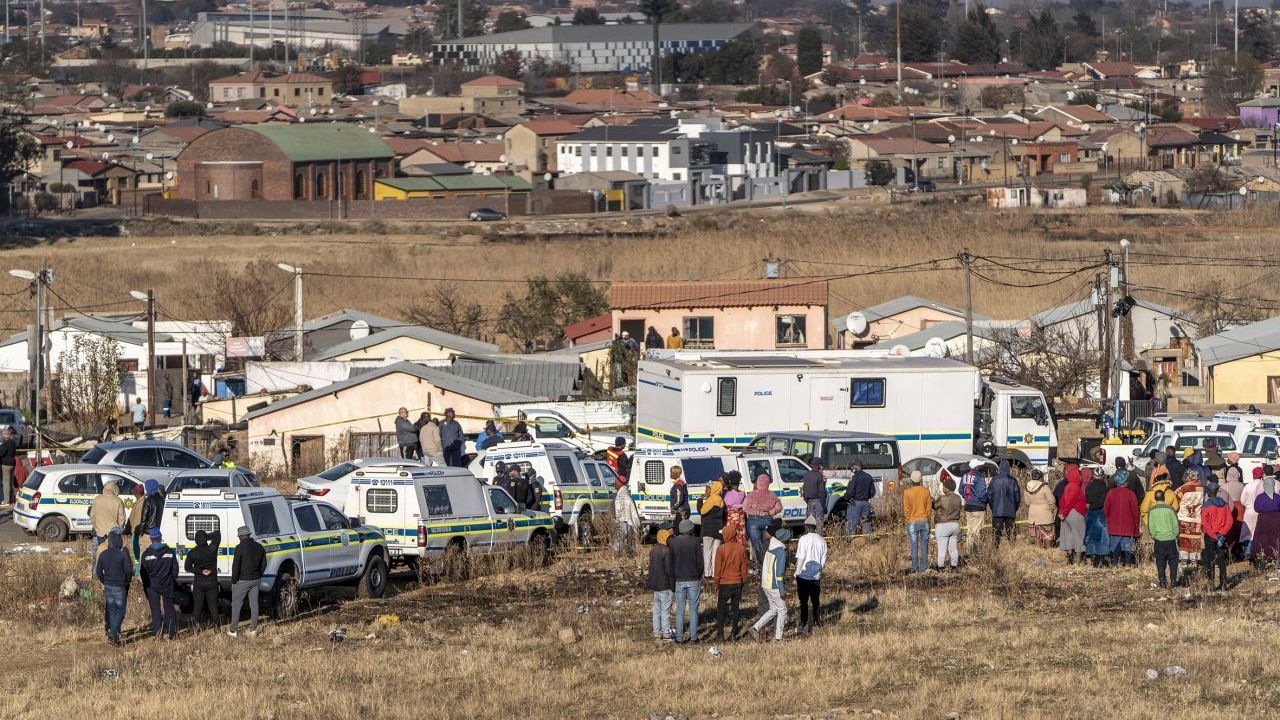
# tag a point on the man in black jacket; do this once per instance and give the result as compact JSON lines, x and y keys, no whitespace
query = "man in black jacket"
{"x":159,"y":570}
{"x":246,"y":572}
{"x":662,"y":585}
{"x":857,"y":495}
{"x":686,"y":571}
{"x":202,"y":563}
{"x":115,"y":571}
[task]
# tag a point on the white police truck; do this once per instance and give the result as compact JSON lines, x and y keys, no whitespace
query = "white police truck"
{"x":308,"y":543}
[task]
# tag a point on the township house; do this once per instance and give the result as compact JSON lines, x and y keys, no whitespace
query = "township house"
{"x":292,"y":89}
{"x":1242,"y":365}
{"x":894,"y":319}
{"x":731,"y":315}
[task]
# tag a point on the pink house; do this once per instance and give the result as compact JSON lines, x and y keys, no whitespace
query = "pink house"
{"x":730,"y":315}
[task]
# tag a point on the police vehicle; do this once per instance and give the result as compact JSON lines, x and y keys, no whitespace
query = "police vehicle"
{"x":435,"y":511}
{"x":54,"y":501}
{"x":332,"y":485}
{"x":308,"y":543}
{"x":575,"y":487}
{"x":650,"y":480}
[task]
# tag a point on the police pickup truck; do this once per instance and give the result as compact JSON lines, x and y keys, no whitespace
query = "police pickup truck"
{"x":308,"y":543}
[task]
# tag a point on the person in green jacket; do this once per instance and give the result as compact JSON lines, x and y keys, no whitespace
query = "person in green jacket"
{"x":1162,"y":523}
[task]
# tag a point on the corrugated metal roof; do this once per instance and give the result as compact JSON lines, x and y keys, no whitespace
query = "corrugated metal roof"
{"x":417,"y":332}
{"x":642,"y":33}
{"x":1241,"y":342}
{"x":541,"y":379}
{"x":1085,"y":306}
{"x":741,"y":293}
{"x":309,"y":142}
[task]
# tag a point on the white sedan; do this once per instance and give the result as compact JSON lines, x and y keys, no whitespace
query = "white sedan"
{"x":935,"y":468}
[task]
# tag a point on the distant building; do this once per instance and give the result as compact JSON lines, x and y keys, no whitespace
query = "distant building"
{"x":676,"y":151}
{"x":532,"y":145}
{"x":305,"y":28}
{"x":490,"y":95}
{"x":590,"y":48}
{"x":285,"y":88}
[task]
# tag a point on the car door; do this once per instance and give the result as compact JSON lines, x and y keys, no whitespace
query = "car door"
{"x":504,"y":518}
{"x":315,"y":543}
{"x":608,"y":485}
{"x":76,"y":491}
{"x":791,"y":478}
{"x":126,"y":484}
{"x":145,"y":461}
{"x":345,"y":552}
{"x":175,"y":460}
{"x":273,"y":527}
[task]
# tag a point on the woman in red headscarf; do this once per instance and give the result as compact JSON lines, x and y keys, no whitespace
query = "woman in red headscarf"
{"x":1072,"y":510}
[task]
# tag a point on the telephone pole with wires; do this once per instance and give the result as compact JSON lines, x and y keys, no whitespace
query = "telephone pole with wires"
{"x":966,"y":261}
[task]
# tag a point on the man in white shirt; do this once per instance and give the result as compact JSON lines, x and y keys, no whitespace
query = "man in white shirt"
{"x":811,"y":557}
{"x":138,"y":411}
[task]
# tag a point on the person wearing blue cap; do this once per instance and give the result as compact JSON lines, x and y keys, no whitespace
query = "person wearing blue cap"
{"x":159,"y":570}
{"x":772,"y":582}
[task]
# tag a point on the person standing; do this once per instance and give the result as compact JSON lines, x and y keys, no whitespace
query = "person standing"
{"x":8,"y":459}
{"x":1162,"y":524}
{"x":947,"y":509}
{"x":488,"y":437}
{"x":1249,"y":499}
{"x":857,"y":496}
{"x":813,"y":487}
{"x":662,"y":585}
{"x":1120,"y":508}
{"x":772,"y":576}
{"x":159,"y":571}
{"x":1159,"y":483}
{"x":674,"y":341}
{"x":1232,"y":490}
{"x":451,"y":439}
{"x":811,"y":557}
{"x":1174,"y":466}
{"x":1190,"y":497}
{"x":653,"y":339}
{"x":406,"y":435}
{"x":973,"y":491}
{"x":106,"y":513}
{"x":712,"y":512}
{"x":616,"y":456}
{"x":1097,"y":543}
{"x":917,"y":507}
{"x":678,"y":500}
{"x":1004,"y":497}
{"x":627,"y":516}
{"x":1072,"y":510}
{"x":1265,"y":539}
{"x":202,"y":563}
{"x":246,"y":574}
{"x":1215,"y":523}
{"x":727,"y":578}
{"x":687,"y":572}
{"x":138,"y":413}
{"x":429,"y":441}
{"x":133,"y":528}
{"x":1041,"y":511}
{"x":761,"y":506}
{"x":114,"y":570}
{"x":733,"y":500}
{"x":1128,"y":477}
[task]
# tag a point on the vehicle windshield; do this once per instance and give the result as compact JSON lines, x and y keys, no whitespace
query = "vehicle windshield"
{"x":337,"y":471}
{"x":1225,"y":443}
{"x":93,"y":456}
{"x":872,"y":454}
{"x":200,"y":482}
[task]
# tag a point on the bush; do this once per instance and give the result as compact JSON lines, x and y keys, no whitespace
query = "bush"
{"x":879,"y":172}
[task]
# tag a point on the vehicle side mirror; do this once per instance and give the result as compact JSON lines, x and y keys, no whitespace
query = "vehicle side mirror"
{"x":1271,"y":455}
{"x":520,"y":507}
{"x":354,"y":522}
{"x":1136,"y":452}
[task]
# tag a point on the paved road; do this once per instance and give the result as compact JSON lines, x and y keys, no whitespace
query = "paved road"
{"x":11,"y":534}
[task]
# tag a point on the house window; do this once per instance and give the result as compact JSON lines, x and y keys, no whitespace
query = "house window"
{"x":942,"y":162}
{"x":275,"y":92}
{"x":360,"y":180}
{"x":1064,"y":157}
{"x":253,"y":189}
{"x":677,"y":150}
{"x":726,"y":396}
{"x":319,"y":185}
{"x":297,"y":92}
{"x":626,"y":151}
{"x":790,"y":330}
{"x":593,"y":151}
{"x":577,"y":151}
{"x":321,"y":93}
{"x":299,"y":186}
{"x":866,"y":392}
{"x":677,"y":176}
{"x":608,"y":151}
{"x":699,"y":333}
{"x":262,"y":92}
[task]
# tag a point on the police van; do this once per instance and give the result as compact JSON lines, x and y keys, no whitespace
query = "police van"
{"x":308,"y":543}
{"x":575,"y":487}
{"x":700,"y":463}
{"x":54,"y":501}
{"x":428,"y":511}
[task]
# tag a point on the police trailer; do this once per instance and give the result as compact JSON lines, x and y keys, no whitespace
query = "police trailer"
{"x":930,"y":405}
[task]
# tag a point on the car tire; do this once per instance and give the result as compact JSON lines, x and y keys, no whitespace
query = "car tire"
{"x":540,"y":550}
{"x":373,"y":583}
{"x":53,"y":529}
{"x":285,"y":597}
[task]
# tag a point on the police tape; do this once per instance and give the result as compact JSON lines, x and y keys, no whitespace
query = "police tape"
{"x":903,"y":533}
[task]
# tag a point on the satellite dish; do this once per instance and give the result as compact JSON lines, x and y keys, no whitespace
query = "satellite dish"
{"x":935,"y":348}
{"x":900,"y":350}
{"x":856,"y":323}
{"x":359,"y":330}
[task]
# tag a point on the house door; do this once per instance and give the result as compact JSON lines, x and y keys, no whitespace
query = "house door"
{"x":635,"y":327}
{"x":1273,"y":389}
{"x":306,"y":454}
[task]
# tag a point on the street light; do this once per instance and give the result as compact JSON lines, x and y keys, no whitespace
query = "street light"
{"x":36,"y":343}
{"x":297,"y":307}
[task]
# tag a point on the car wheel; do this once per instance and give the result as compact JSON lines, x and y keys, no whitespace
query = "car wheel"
{"x":540,"y":550}
{"x":53,"y":529}
{"x":373,"y":584}
{"x":284,"y":596}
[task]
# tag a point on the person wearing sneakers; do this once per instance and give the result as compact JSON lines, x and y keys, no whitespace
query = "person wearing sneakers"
{"x":687,"y":572}
{"x":159,"y":570}
{"x":811,"y":557}
{"x":917,"y":508}
{"x":772,"y":575}
{"x":246,"y":572}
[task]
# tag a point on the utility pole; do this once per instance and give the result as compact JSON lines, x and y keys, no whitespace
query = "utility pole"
{"x":1235,"y":32}
{"x":1108,"y":351}
{"x":297,"y":307}
{"x":966,"y":260}
{"x":459,"y":19}
{"x":151,"y":359}
{"x":1098,"y":301}
{"x":898,"y":35}
{"x":1127,"y":349}
{"x":185,"y":381}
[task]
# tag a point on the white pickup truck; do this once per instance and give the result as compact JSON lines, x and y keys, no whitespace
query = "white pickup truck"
{"x":1260,"y":447}
{"x":550,"y":425}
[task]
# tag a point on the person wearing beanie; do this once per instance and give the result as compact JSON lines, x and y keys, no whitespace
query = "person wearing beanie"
{"x":661,"y":583}
{"x":247,"y":567}
{"x":114,"y":570}
{"x":857,"y":495}
{"x":813,"y":487}
{"x":729,"y":575}
{"x":687,"y":572}
{"x":1097,"y":543}
{"x":1005,"y":497}
{"x":811,"y":557}
{"x":1162,"y":523}
{"x":202,"y":563}
{"x":917,"y":506}
{"x":947,"y":509}
{"x":772,"y":578}
{"x":1041,"y":510}
{"x":973,"y":491}
{"x":1215,"y":523}
{"x":159,"y":571}
{"x":1121,"y":511}
{"x":1173,"y":465}
{"x":679,"y":497}
{"x":1073,"y":508}
{"x":1190,"y":497}
{"x":616,"y":457}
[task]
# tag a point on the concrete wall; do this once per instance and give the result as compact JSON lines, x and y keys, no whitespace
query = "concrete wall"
{"x":415,"y":209}
{"x":735,"y":328}
{"x":1243,"y":381}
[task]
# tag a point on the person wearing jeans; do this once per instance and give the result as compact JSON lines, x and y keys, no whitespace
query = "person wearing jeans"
{"x":772,"y":574}
{"x":761,"y":506}
{"x":858,"y":494}
{"x":686,"y":571}
{"x":946,"y":524}
{"x":114,"y":570}
{"x":916,"y":509}
{"x":661,"y":584}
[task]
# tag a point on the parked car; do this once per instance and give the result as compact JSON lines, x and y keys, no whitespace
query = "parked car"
{"x":936,"y":468}
{"x":158,"y":460}
{"x":483,"y":214}
{"x":212,"y":478}
{"x":24,"y":433}
{"x":332,"y":484}
{"x":924,"y":186}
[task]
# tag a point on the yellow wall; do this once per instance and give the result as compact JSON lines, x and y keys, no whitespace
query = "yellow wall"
{"x":407,"y":347}
{"x":1243,"y":381}
{"x":382,"y":191}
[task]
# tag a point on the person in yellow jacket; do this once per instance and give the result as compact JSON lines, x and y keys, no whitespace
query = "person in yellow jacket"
{"x":1159,"y":482}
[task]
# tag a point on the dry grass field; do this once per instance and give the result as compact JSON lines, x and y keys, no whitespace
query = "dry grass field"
{"x":1017,"y":633}
{"x":844,"y":243}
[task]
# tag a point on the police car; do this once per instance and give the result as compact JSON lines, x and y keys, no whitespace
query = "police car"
{"x":700,"y":463}
{"x":308,"y":543}
{"x":575,"y":487}
{"x":434,"y":511}
{"x":54,"y":501}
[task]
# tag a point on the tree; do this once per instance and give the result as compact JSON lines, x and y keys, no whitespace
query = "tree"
{"x":509,"y":64}
{"x":587,"y":16}
{"x":809,"y":50}
{"x":17,"y":150}
{"x":347,"y":79}
{"x":1058,"y":361}
{"x":253,"y":301}
{"x":1083,"y":97}
{"x":838,"y":150}
{"x":88,"y":383}
{"x":763,"y":94}
{"x":1085,"y":25}
{"x":712,"y":11}
{"x":978,"y":40}
{"x":446,"y":22}
{"x":922,"y":23}
{"x":1215,"y":310}
{"x":656,"y":11}
{"x":1041,"y":44}
{"x":779,"y":67}
{"x":1228,"y":83}
{"x":879,"y":172}
{"x":997,"y":97}
{"x":509,"y":21}
{"x":444,"y":310}
{"x":536,"y":319}
{"x":1257,"y":36}
{"x":1168,"y":111}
